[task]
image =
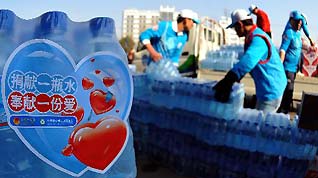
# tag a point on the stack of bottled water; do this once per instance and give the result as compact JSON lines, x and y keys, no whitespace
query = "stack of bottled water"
{"x":199,"y":97}
{"x":281,"y":136}
{"x":221,"y":60}
{"x":141,"y":86}
{"x":163,"y":69}
{"x":304,"y":142}
{"x":239,"y":156}
{"x":244,"y":130}
{"x":187,"y":93}
{"x":234,"y":47}
{"x":196,"y":96}
{"x":227,"y":124}
{"x":186,"y":124}
{"x":294,"y":168}
{"x":163,"y":92}
{"x":251,"y":143}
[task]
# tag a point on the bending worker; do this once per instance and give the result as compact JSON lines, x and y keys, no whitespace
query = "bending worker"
{"x":167,"y":39}
{"x":260,"y":59}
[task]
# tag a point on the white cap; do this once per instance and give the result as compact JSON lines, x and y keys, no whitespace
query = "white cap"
{"x":238,"y":15}
{"x":251,"y":8}
{"x":187,"y":13}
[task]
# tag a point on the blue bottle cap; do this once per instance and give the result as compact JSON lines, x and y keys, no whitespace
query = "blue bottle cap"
{"x":102,"y":25}
{"x":53,"y":21}
{"x":6,"y":20}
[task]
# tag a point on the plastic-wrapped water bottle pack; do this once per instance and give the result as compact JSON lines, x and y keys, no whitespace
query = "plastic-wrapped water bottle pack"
{"x":196,"y":96}
{"x":163,"y":69}
{"x":261,"y":145}
{"x":64,"y":82}
{"x":248,"y":131}
{"x":223,"y":59}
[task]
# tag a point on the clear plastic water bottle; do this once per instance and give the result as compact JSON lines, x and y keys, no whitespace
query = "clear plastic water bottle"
{"x":223,"y":131}
{"x":250,"y":128}
{"x":268,"y":135}
{"x":7,"y":44}
{"x":104,"y":37}
{"x":231,"y":133}
{"x":194,"y":103}
{"x":170,"y":85}
{"x":54,"y":26}
{"x":283,"y":134}
{"x":238,"y":136}
{"x":209,"y":104}
{"x":164,"y":69}
{"x":7,"y":36}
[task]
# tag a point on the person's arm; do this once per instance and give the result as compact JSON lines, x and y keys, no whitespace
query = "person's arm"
{"x":257,"y":51}
{"x":282,"y":54}
{"x":151,"y":33}
{"x":286,"y":39}
{"x":306,"y":31}
{"x":155,"y":56}
{"x":311,"y":42}
{"x":305,"y":28}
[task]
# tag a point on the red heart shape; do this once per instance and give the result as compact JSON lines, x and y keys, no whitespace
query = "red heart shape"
{"x":97,"y":144}
{"x":87,"y":83}
{"x":79,"y":114}
{"x":102,"y":102}
{"x":108,"y":81}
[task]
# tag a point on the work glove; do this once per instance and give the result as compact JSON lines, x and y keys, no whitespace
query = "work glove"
{"x":224,"y":87}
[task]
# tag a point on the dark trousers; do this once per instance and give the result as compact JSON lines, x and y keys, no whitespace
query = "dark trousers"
{"x":288,"y":93}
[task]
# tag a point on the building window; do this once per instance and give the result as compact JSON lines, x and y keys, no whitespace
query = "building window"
{"x":210,"y":36}
{"x":220,"y":38}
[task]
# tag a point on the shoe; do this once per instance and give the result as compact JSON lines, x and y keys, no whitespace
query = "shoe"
{"x":300,"y":74}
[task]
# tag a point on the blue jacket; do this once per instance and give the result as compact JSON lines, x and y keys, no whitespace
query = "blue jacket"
{"x":166,"y":40}
{"x":291,"y":44}
{"x":268,"y":74}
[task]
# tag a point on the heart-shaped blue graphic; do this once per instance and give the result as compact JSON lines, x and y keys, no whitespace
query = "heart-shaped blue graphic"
{"x":43,"y":67}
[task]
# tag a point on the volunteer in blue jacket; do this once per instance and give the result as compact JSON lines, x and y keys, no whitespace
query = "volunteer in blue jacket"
{"x":290,"y":54}
{"x":167,"y":39}
{"x":301,"y":16}
{"x":260,"y":59}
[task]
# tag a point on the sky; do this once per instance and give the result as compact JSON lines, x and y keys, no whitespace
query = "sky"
{"x":83,"y":10}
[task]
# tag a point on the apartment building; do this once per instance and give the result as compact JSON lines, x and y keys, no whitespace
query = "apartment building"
{"x":136,"y":21}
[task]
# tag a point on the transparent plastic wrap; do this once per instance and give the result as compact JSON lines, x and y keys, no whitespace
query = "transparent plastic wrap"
{"x":163,"y":69}
{"x":64,"y":82}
